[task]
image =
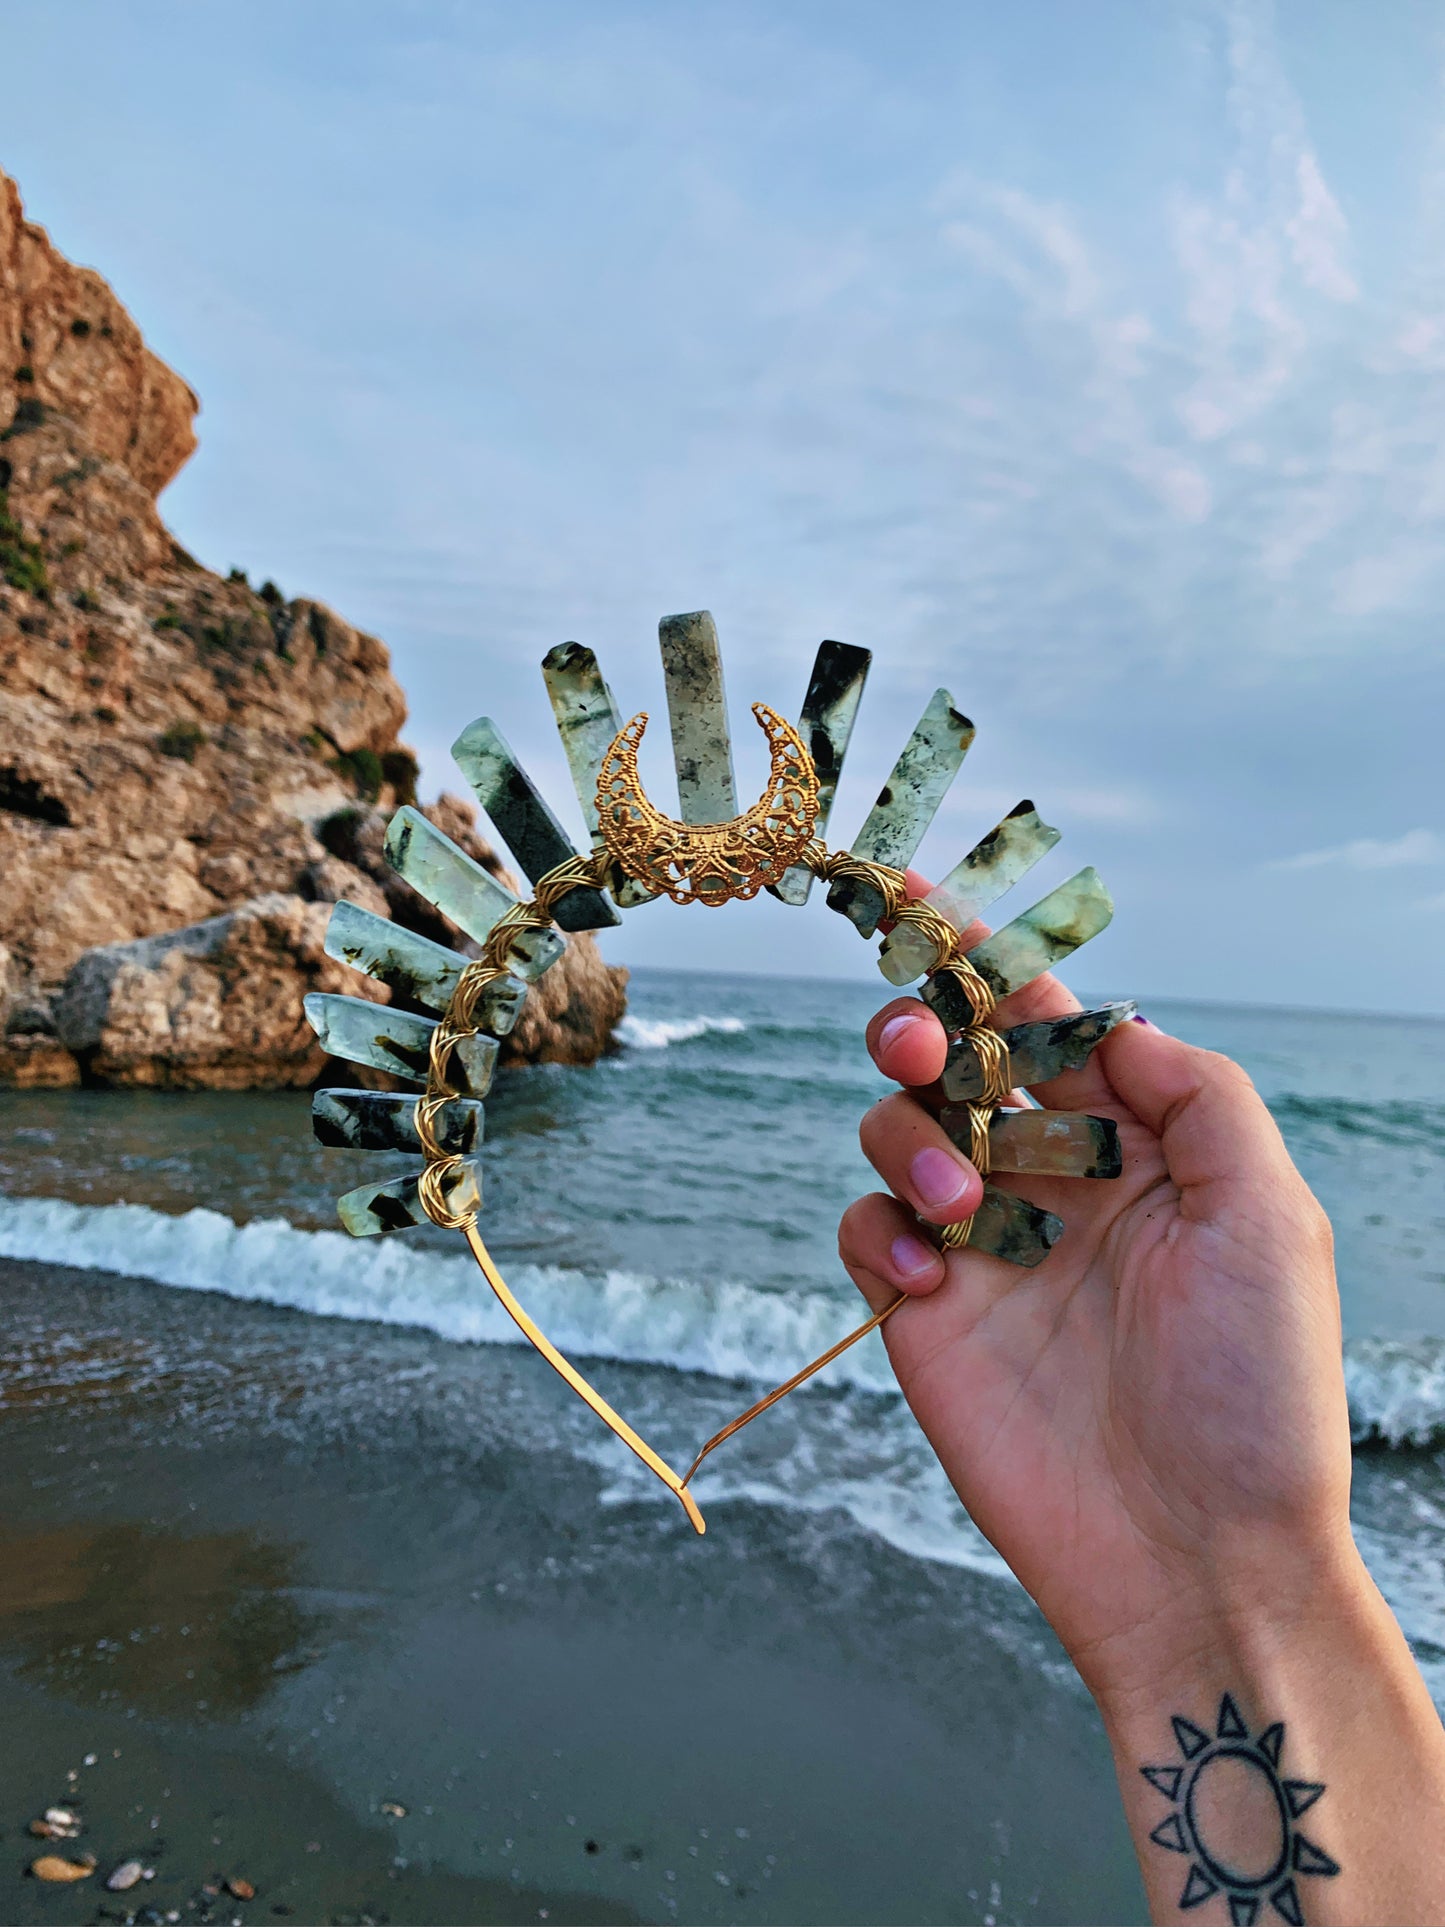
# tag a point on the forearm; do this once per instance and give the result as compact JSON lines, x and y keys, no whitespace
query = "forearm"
{"x":1309,"y":1781}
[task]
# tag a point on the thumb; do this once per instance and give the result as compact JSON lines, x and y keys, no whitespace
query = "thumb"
{"x":1216,"y":1133}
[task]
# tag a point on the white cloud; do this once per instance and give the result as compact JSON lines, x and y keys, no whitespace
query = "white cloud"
{"x":1413,"y":848}
{"x":1319,"y":233}
{"x":1253,"y":253}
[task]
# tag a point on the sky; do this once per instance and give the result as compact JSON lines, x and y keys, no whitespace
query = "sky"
{"x":1088,"y":360}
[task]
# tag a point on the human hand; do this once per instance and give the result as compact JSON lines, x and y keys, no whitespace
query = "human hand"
{"x":1152,"y":1429}
{"x":1155,"y":1418}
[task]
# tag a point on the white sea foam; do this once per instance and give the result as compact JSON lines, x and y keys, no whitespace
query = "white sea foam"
{"x":656,"y":1033}
{"x":883,"y":1476}
{"x":1397,"y":1389}
{"x":725,"y":1330}
{"x":878,"y":1472}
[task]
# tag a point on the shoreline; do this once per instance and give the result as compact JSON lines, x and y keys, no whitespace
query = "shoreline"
{"x":388,"y":1596}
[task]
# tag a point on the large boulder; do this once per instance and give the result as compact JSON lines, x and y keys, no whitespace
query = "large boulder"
{"x":175,"y":745}
{"x":216,"y":1005}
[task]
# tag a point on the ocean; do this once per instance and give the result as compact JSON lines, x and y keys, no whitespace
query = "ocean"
{"x":669,"y":1217}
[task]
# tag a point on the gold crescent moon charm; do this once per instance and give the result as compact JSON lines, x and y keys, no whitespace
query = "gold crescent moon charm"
{"x":709,"y":862}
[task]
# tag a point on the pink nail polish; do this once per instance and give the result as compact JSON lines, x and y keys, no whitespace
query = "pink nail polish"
{"x":893,"y":1030}
{"x":937,"y":1178}
{"x":912,"y":1258}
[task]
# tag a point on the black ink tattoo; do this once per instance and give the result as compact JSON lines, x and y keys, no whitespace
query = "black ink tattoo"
{"x":1267,"y":1872}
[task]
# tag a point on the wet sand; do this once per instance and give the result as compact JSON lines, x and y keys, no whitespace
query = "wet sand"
{"x":274,"y":1571}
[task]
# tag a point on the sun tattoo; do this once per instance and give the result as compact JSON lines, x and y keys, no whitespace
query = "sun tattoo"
{"x":1235,"y":1817}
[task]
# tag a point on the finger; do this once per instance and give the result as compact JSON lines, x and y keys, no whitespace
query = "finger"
{"x":909,"y":1151}
{"x":907,"y":1042}
{"x":1217,"y":1135}
{"x":884,"y":1252}
{"x":899,"y":1031}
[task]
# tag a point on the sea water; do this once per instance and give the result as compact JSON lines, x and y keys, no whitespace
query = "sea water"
{"x":674,"y":1209}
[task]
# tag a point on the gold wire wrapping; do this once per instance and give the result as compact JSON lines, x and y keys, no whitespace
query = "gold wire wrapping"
{"x":460,"y":1022}
{"x":707,"y":863}
{"x":949,"y":959}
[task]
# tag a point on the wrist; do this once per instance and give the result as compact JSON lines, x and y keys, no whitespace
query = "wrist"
{"x":1250,"y":1614}
{"x":1250,"y":1705}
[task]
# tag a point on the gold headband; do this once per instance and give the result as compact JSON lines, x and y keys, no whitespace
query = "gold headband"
{"x":640,"y":854}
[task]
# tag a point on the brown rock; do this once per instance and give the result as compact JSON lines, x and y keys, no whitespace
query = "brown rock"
{"x":571,"y":1012}
{"x":173,"y":746}
{"x":216,"y":1005}
{"x":66,"y":342}
{"x":328,"y":880}
{"x":52,"y":1868}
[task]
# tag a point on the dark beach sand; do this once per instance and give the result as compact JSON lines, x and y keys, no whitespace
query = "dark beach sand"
{"x":273,"y":1570}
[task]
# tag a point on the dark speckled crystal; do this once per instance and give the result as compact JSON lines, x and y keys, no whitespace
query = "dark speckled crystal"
{"x":1053,"y":929}
{"x":386,"y":1121}
{"x":461,"y":889}
{"x":398,"y":1041}
{"x":906,"y":805}
{"x":395,"y":1203}
{"x":520,"y":816}
{"x":697,"y":710}
{"x":825,"y":724}
{"x":1037,"y":1052}
{"x":1006,"y":1227}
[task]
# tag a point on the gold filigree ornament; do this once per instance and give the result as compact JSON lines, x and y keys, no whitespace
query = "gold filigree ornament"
{"x":709,"y":862}
{"x":704,"y":856}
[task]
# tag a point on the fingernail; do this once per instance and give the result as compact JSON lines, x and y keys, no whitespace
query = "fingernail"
{"x":938,"y":1179}
{"x":912,"y":1258}
{"x":895,"y":1028}
{"x":1147,"y":1022}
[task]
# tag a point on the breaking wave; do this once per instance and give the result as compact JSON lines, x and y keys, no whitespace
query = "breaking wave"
{"x":873,"y":1467}
{"x":1397,"y":1390}
{"x":721,"y":1329}
{"x":656,"y":1033}
{"x":725,"y":1330}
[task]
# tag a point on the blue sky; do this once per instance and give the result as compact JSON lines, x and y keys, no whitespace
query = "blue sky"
{"x":1089,"y":359}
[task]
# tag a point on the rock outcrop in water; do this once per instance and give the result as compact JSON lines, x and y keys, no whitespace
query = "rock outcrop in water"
{"x":191,"y":769}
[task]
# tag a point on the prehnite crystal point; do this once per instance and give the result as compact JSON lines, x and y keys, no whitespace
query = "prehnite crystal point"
{"x":586,"y":716}
{"x":1009,"y":1228}
{"x":398,"y":1041}
{"x":698,"y":712}
{"x":1060,"y":1144}
{"x":1053,"y":929}
{"x":991,"y":868}
{"x":451,"y":882}
{"x":415,"y":967}
{"x":825,"y":724}
{"x":423,"y":971}
{"x":519,"y":813}
{"x":395,"y":1204}
{"x":1037,"y":1052}
{"x":906,"y":805}
{"x":587,"y":722}
{"x":386,"y":1121}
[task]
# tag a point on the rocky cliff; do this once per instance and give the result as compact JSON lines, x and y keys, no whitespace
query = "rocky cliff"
{"x":191,"y":768}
